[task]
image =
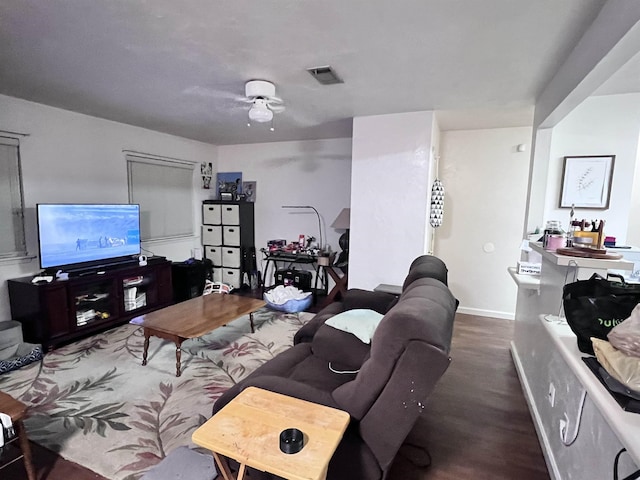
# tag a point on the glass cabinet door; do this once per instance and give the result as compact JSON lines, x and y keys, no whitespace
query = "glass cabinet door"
{"x":138,"y":291}
{"x":94,"y":302}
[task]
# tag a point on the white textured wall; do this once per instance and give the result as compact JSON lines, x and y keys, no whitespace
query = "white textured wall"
{"x":314,"y":172}
{"x":606,"y":46}
{"x":485,"y":181}
{"x":633,"y":231}
{"x":69,"y":157}
{"x":602,"y":125}
{"x":389,"y":196}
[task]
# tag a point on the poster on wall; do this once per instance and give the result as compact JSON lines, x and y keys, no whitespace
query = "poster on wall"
{"x":228,"y":185}
{"x":249,"y":190}
{"x":586,"y":181}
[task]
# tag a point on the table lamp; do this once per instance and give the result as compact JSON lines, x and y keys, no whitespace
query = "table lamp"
{"x":342,"y":222}
{"x":320,"y":245}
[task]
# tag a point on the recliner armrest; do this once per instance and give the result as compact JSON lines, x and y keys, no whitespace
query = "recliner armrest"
{"x":307,"y":331}
{"x":381,"y":302}
{"x":284,"y":386}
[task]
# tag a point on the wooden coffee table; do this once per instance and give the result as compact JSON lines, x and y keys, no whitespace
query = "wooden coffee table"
{"x":17,"y":411}
{"x":248,"y":428}
{"x":193,"y":318}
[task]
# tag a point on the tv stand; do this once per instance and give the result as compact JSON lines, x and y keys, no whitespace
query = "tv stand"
{"x":62,"y":311}
{"x":99,"y":268}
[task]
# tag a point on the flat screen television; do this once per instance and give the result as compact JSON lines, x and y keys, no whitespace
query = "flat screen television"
{"x":79,"y":236}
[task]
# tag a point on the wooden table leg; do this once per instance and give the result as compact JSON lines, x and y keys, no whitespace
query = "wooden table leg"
{"x":26,"y":449}
{"x":340,"y":287}
{"x":178,"y":355}
{"x":147,"y":334}
{"x":223,"y":466}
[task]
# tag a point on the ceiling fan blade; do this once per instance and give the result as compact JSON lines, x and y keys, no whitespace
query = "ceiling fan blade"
{"x":274,"y":100}
{"x":276,"y":108}
{"x":205,"y":92}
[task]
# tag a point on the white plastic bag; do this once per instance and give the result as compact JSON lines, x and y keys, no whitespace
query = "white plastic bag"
{"x":622,"y":367}
{"x":626,"y":335}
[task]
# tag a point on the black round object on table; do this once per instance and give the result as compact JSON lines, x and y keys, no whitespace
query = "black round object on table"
{"x":291,"y":440}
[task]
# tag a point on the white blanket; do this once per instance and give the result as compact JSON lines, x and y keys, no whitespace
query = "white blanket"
{"x":281,"y":294}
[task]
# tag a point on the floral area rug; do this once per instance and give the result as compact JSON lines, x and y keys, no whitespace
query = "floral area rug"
{"x":93,"y":402}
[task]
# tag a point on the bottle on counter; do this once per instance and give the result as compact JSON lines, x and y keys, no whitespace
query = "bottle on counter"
{"x":553,"y":235}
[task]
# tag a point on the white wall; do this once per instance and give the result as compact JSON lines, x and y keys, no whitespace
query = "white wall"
{"x":633,"y":231}
{"x":610,"y":42}
{"x":485,"y":181}
{"x":389,"y":196}
{"x":314,"y":172}
{"x":69,"y":157}
{"x":602,"y":125}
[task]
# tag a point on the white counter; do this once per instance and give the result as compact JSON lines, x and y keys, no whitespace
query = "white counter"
{"x":547,"y":360}
{"x":625,"y":425}
{"x":586,"y":263}
{"x":530,"y":282}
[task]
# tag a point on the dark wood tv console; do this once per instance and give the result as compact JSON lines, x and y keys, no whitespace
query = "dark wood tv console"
{"x":61,"y":311}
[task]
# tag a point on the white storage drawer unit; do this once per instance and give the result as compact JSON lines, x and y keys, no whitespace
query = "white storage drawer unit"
{"x":231,"y":257}
{"x":217,"y":274}
{"x":230,"y":214}
{"x":211,"y":235}
{"x":228,"y":240}
{"x":231,"y":276}
{"x":214,"y":254}
{"x":231,"y":236}
{"x":211,"y":214}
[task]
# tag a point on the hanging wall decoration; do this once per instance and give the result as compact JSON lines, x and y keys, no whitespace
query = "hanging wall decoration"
{"x":437,"y":204}
{"x":206,"y":170}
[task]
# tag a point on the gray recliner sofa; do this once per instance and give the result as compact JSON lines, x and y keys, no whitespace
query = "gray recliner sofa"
{"x":384,"y":386}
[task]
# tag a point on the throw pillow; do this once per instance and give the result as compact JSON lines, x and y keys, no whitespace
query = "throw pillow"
{"x":360,"y":322}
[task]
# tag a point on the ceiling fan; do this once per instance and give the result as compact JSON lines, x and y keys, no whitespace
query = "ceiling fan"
{"x":262,"y":97}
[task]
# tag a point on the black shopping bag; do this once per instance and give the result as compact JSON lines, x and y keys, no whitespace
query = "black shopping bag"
{"x":594,"y":306}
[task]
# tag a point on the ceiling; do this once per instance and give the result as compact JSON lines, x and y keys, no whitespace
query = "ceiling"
{"x":179,"y":66}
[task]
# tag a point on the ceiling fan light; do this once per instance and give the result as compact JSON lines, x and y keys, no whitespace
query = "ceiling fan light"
{"x":260,"y":114}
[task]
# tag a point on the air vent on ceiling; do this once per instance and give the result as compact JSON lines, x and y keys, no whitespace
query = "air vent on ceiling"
{"x":325,"y":75}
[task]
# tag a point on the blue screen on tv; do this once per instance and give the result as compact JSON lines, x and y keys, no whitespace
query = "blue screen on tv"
{"x":77,"y":234}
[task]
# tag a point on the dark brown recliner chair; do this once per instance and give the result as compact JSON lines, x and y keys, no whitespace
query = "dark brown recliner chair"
{"x":424,"y":266}
{"x":393,"y":378}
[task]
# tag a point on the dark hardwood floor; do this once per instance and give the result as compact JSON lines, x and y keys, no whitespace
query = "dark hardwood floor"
{"x":476,"y":424}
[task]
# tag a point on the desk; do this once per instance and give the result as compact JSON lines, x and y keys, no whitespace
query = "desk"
{"x":17,"y":411}
{"x":289,"y":259}
{"x":387,"y":288}
{"x":248,"y":430}
{"x":340,"y":287}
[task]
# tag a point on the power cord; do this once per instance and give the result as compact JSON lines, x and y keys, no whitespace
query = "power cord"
{"x":635,"y":475}
{"x":564,"y":423}
{"x":342,"y":372}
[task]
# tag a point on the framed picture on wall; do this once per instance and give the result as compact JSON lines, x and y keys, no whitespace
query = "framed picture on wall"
{"x":586,"y":181}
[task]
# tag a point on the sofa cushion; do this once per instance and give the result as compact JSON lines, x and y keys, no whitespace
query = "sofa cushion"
{"x":361,"y":322}
{"x":314,"y":371}
{"x":343,"y":350}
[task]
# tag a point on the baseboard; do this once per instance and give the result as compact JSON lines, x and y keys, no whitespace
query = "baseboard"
{"x":549,"y":459}
{"x":487,"y":313}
